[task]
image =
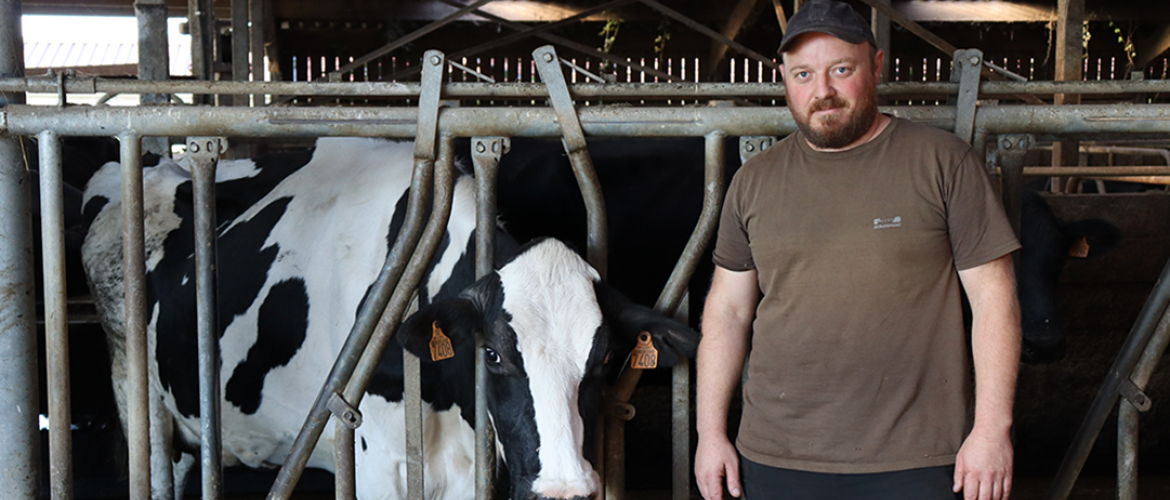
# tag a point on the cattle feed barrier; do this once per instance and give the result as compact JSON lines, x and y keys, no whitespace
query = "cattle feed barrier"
{"x":131,"y":125}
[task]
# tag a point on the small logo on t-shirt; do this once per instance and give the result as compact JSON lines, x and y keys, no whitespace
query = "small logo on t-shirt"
{"x":886,"y":223}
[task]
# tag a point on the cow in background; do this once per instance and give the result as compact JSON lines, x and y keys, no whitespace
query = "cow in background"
{"x":1048,"y":242}
{"x":302,"y":236}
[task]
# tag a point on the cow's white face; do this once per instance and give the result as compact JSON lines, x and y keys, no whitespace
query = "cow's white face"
{"x":555,"y":325}
{"x":549,"y":324}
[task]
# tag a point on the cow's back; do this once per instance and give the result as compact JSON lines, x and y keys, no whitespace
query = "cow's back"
{"x":295,"y":263}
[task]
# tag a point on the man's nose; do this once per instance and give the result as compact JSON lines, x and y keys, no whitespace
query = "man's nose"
{"x":824,"y":87}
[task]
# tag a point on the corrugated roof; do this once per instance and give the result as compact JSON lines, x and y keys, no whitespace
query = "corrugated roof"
{"x":39,"y":55}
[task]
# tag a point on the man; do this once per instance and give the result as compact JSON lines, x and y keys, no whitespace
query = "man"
{"x":840,"y":257}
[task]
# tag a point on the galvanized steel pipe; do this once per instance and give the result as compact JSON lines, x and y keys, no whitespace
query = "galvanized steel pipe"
{"x":1127,"y":417}
{"x":1076,"y":120}
{"x":19,"y":395}
{"x":204,"y":153}
{"x":521,"y":90}
{"x":1121,"y":370}
{"x":56,"y":324}
{"x":134,"y":292}
{"x":380,"y":294}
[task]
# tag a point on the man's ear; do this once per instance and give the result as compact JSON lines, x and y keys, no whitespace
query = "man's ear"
{"x":628,"y":320}
{"x":422,"y":333}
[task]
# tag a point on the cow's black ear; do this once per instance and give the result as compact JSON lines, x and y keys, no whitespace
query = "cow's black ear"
{"x":1094,"y":237}
{"x":626,"y":320}
{"x":454,"y":318}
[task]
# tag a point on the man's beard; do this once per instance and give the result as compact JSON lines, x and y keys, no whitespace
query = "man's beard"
{"x":838,"y":131}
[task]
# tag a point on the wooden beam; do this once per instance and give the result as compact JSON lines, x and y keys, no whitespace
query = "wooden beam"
{"x":936,"y":41}
{"x":739,"y":17}
{"x":1070,"y":21}
{"x":780,"y":16}
{"x":985,"y":11}
{"x":1152,"y":47}
{"x":880,"y":24}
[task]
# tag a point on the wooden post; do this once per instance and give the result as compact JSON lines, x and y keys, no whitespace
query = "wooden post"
{"x":1070,"y":20}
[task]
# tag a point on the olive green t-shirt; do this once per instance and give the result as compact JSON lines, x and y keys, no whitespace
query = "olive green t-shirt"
{"x":859,"y":361}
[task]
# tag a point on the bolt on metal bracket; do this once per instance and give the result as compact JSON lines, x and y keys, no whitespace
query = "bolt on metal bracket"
{"x":347,"y":414}
{"x":750,"y":146}
{"x":1134,"y":394}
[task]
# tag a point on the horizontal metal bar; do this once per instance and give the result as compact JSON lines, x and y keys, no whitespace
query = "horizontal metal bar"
{"x":1114,"y":171}
{"x":675,"y":90}
{"x":598,"y":121}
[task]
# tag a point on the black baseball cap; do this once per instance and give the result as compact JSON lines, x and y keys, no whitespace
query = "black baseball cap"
{"x":829,"y":17}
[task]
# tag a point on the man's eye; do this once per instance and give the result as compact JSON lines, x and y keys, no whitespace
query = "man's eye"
{"x":802,"y":74}
{"x":491,"y":355}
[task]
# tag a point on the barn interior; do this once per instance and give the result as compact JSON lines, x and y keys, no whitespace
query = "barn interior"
{"x":1120,"y":51}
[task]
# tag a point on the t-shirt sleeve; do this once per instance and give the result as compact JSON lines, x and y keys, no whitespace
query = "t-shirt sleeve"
{"x":979,"y":227}
{"x":732,"y":245}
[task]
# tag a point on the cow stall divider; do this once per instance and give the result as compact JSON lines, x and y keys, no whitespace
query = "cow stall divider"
{"x":432,"y":171}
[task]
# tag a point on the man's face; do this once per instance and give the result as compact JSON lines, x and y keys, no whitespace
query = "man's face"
{"x":831,"y":89}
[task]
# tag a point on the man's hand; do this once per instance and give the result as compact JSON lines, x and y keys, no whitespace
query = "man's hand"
{"x":716,"y":460}
{"x":983,"y":469}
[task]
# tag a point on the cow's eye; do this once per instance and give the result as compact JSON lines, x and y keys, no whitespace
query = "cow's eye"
{"x":491,"y":355}
{"x":608,"y":356}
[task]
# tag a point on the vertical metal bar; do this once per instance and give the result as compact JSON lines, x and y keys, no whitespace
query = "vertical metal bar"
{"x":485,"y":154}
{"x":412,"y":386}
{"x":204,"y":153}
{"x":256,"y":31}
{"x":680,"y":428}
{"x":1012,"y":149}
{"x":1127,"y":420}
{"x":19,"y":394}
{"x":436,"y":228}
{"x":343,"y":458}
{"x":153,"y":59}
{"x":969,"y":64}
{"x":1127,"y":451}
{"x":134,"y":277}
{"x":240,"y":40}
{"x":382,"y":291}
{"x":1121,"y":370}
{"x":56,"y":320}
{"x":201,"y":21}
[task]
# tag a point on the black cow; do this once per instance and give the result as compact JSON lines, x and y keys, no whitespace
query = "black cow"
{"x":1047,"y":243}
{"x":301,"y":237}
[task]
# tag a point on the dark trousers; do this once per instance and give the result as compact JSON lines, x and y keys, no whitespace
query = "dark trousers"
{"x":761,"y":482}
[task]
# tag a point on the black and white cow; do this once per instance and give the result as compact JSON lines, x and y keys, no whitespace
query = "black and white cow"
{"x":301,"y":238}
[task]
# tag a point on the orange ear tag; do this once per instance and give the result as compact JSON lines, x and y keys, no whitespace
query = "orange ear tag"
{"x":1079,"y":249}
{"x":644,"y":355}
{"x":440,"y":345}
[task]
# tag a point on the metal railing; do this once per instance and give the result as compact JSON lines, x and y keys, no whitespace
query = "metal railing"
{"x":130,"y":125}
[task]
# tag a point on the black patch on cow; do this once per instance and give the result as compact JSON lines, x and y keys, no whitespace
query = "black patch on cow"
{"x":282,"y":324}
{"x":243,"y":269}
{"x":364,"y":446}
{"x":92,"y":208}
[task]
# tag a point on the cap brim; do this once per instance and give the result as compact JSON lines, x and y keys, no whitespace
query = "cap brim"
{"x":848,"y":37}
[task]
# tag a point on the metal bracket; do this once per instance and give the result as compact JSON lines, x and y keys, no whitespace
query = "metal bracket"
{"x":489,"y":148}
{"x":1134,"y":394}
{"x":347,"y":414}
{"x":969,"y":66}
{"x":619,"y":410}
{"x":204,"y":147}
{"x":428,"y":105}
{"x":750,"y":146}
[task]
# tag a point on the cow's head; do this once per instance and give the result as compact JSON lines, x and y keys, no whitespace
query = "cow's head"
{"x":551,"y":328}
{"x":1047,"y":242}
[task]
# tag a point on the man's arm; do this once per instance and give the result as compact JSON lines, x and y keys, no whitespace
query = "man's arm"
{"x":727,"y":321}
{"x":983,"y":469}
